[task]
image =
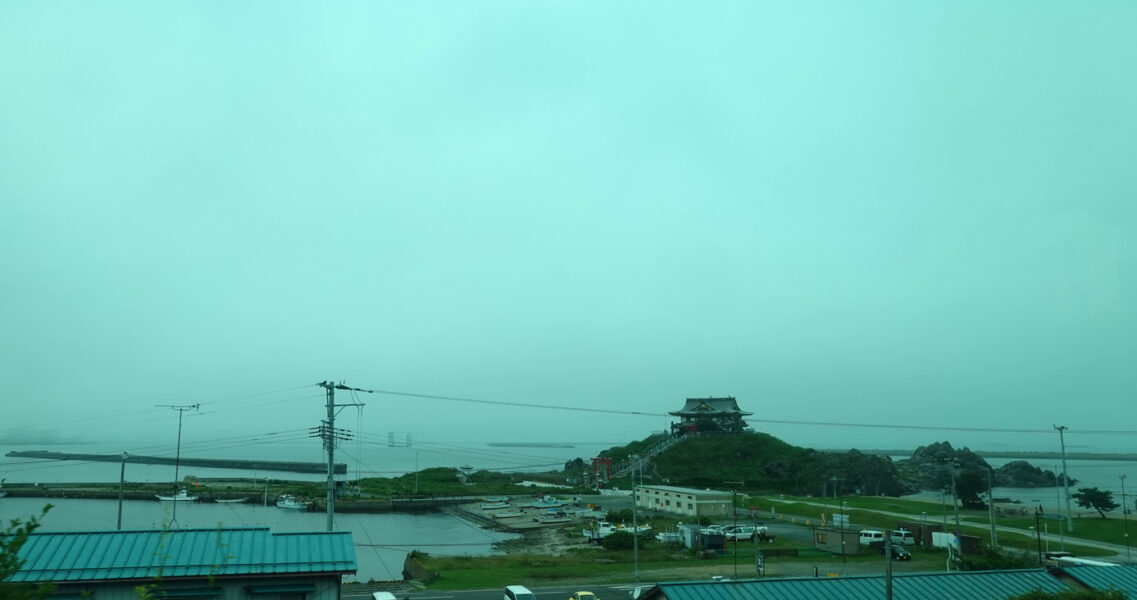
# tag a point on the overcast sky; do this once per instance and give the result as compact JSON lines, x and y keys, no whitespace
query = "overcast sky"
{"x":917,"y":214}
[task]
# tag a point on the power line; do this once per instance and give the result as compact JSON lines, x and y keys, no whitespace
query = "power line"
{"x":767,"y":421}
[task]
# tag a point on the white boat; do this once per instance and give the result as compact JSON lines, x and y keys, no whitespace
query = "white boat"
{"x":181,"y":496}
{"x":290,"y":502}
{"x":547,"y":502}
{"x":511,"y":514}
{"x":493,"y":505}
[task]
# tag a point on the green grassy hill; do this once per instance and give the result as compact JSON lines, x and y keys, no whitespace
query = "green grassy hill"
{"x":764,"y":462}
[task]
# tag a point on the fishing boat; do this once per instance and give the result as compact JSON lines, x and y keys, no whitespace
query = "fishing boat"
{"x":290,"y":502}
{"x":493,"y":505}
{"x":553,"y":516}
{"x":181,"y":496}
{"x":509,"y":514}
{"x":547,"y":502}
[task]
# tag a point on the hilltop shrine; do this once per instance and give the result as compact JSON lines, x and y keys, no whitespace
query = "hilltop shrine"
{"x":710,"y":414}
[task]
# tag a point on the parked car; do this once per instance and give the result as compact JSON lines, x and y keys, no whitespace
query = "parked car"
{"x":740,"y":532}
{"x":903,"y":537}
{"x":583,"y":596}
{"x":899,"y":553}
{"x":748,"y":532}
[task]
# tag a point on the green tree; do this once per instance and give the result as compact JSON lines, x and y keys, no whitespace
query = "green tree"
{"x":618,"y":540}
{"x":1096,"y":499}
{"x":993,"y":558}
{"x":12,"y":538}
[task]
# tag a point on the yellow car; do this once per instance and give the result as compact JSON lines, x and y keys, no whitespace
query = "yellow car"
{"x":583,"y":596}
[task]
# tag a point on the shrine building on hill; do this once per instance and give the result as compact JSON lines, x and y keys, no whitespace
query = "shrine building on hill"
{"x":710,"y":415}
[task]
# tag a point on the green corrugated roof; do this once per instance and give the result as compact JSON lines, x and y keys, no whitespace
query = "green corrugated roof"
{"x":105,"y":555}
{"x":973,"y":585}
{"x":1121,"y":577}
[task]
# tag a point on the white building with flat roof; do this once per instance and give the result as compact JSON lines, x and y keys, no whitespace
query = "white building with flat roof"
{"x":684,"y":501}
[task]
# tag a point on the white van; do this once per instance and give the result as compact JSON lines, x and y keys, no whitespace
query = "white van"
{"x":518,"y":592}
{"x":872,"y":537}
{"x":903,"y":537}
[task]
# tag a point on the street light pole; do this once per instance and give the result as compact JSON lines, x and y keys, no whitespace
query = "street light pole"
{"x":122,"y":483}
{"x":1125,"y":519}
{"x":635,"y":525}
{"x":1065,"y":476}
{"x":955,"y":499}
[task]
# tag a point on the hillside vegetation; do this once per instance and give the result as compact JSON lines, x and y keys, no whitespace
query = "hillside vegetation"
{"x":763,"y":462}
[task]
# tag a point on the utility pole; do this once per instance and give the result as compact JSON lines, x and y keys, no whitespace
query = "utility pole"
{"x":635,"y":522}
{"x":1065,"y":477}
{"x":1058,"y":507}
{"x":1125,"y":519}
{"x":734,"y":517}
{"x":178,"y":457}
{"x":991,"y":511}
{"x":327,"y":431}
{"x":954,"y":498}
{"x":122,"y":483}
{"x":887,"y":565}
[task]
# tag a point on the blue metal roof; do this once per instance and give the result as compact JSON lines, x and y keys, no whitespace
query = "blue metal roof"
{"x":107,"y":555}
{"x":1121,"y":577}
{"x":971,"y":585}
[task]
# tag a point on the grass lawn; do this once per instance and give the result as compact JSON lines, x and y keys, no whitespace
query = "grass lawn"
{"x":656,"y":564}
{"x":972,"y":522}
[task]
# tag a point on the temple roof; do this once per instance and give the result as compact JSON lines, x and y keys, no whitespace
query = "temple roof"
{"x":710,"y":407}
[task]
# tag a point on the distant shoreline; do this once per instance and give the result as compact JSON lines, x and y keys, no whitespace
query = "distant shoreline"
{"x":1118,"y":456}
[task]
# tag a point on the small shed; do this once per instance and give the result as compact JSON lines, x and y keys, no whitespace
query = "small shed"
{"x":970,"y":585}
{"x":837,"y":541}
{"x":1120,"y":577}
{"x":190,"y":564}
{"x":689,"y":502}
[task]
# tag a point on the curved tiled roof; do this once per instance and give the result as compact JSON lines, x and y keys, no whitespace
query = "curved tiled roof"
{"x":709,"y":407}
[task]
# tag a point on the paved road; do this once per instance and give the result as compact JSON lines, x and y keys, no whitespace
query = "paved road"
{"x":603,"y":592}
{"x":1118,"y":549}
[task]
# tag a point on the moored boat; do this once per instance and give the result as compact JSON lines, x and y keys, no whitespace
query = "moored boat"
{"x":548,"y":502}
{"x":181,"y":496}
{"x":290,"y":502}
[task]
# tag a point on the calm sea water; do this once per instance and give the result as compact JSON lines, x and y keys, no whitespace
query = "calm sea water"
{"x":382,"y":541}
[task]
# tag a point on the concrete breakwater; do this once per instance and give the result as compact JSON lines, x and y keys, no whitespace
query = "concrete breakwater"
{"x":216,"y":463}
{"x":208,"y":493}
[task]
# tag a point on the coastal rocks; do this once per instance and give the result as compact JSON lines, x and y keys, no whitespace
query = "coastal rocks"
{"x":1021,"y":474}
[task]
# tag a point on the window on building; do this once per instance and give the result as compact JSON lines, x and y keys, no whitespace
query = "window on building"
{"x":822,"y":538}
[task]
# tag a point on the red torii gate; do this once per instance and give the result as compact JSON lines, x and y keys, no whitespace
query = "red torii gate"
{"x":607,"y":462}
